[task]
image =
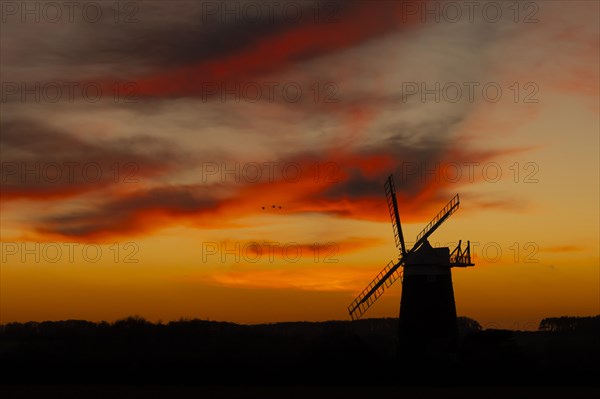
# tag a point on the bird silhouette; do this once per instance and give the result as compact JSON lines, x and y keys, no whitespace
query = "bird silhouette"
{"x":272,"y":206}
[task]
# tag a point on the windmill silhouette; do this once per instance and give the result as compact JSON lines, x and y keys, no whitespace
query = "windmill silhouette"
{"x":427,"y":308}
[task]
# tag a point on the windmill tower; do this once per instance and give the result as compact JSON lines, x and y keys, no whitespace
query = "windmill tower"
{"x":427,"y":308}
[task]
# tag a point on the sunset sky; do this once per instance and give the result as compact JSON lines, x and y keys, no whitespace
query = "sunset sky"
{"x":139,"y":150}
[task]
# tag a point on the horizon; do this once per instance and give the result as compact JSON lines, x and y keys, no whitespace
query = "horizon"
{"x":366,"y":319}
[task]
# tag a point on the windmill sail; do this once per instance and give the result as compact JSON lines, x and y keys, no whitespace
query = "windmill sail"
{"x":390,"y":194}
{"x":373,"y":291}
{"x":436,"y":222}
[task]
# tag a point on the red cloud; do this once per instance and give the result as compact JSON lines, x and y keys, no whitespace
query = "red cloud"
{"x":359,"y":21}
{"x":354,"y":192}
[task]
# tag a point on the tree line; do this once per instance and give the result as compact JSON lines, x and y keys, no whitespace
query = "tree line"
{"x":571,"y":324}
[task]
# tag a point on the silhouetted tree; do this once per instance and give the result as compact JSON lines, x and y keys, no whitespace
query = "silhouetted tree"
{"x":571,"y":324}
{"x":467,"y":325}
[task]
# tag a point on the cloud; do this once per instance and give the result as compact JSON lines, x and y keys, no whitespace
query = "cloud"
{"x":354,"y":191}
{"x":375,"y":129}
{"x":197,"y":30}
{"x":493,"y":201}
{"x":329,"y":250}
{"x":263,"y":54}
{"x":563,"y":248}
{"x":310,"y":279}
{"x":141,"y":211}
{"x":40,"y":162}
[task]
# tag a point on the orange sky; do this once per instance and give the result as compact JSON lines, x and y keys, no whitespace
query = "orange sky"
{"x":155,"y":207}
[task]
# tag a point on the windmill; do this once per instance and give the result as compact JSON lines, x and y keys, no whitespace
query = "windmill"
{"x":427,"y":308}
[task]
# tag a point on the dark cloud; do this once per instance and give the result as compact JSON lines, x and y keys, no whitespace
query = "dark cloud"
{"x":409,"y":151}
{"x":159,"y":34}
{"x":240,"y":56}
{"x":133,"y":213}
{"x":40,"y":162}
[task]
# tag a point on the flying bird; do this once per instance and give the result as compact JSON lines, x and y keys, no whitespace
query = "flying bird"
{"x":272,"y":206}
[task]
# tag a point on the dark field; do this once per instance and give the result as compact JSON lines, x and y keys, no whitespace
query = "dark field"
{"x":136,"y":359}
{"x":297,"y":392}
